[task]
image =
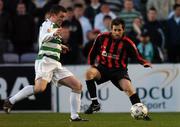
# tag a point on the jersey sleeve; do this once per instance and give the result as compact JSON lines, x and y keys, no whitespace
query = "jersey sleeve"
{"x":94,"y":50}
{"x":133,"y":52}
{"x":46,"y":32}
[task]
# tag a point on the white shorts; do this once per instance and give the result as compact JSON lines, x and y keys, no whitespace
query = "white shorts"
{"x":50,"y":70}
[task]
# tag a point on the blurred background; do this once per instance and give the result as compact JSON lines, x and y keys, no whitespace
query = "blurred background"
{"x":153,"y":25}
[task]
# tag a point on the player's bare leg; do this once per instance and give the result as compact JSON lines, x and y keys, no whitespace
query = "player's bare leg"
{"x":130,"y":91}
{"x":91,"y":75}
{"x":75,"y":96}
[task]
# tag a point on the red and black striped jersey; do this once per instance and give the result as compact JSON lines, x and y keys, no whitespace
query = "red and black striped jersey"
{"x":113,"y":53}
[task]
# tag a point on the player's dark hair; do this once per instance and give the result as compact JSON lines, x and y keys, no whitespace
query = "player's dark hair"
{"x":107,"y":17}
{"x":152,"y":9}
{"x":69,"y":9}
{"x":176,"y":6}
{"x":55,"y":9}
{"x":118,"y":21}
{"x":128,"y":0}
{"x":78,"y":5}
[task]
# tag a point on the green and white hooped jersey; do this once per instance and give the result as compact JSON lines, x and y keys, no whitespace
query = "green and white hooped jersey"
{"x":49,"y":45}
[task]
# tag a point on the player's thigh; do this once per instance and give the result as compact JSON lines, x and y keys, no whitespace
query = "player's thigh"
{"x":44,"y":72}
{"x":63,"y":76}
{"x":71,"y":82}
{"x":93,"y":73}
{"x":40,"y":85}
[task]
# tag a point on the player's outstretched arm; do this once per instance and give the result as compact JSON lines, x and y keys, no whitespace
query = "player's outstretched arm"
{"x":135,"y":53}
{"x":94,"y":51}
{"x":147,"y":64}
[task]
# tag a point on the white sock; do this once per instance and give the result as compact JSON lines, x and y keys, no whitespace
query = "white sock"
{"x":24,"y":93}
{"x":75,"y":103}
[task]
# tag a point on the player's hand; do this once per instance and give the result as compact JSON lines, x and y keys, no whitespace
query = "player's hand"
{"x":58,"y":32}
{"x":65,"y":49}
{"x":147,"y":64}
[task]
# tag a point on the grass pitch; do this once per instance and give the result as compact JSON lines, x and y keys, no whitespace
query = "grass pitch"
{"x":96,"y":120}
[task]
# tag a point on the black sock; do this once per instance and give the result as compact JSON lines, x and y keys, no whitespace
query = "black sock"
{"x":91,"y":86}
{"x":134,"y":99}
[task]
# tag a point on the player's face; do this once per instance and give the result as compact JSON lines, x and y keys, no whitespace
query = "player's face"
{"x":1,"y":4}
{"x":65,"y":33}
{"x":60,"y":17}
{"x":117,"y":31}
{"x":177,"y":12}
{"x":152,"y":15}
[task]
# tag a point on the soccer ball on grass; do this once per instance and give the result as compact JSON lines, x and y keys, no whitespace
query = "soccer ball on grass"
{"x":139,"y":111}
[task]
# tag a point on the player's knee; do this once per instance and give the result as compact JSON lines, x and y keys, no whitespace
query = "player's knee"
{"x":39,"y":89}
{"x":77,"y":88}
{"x":40,"y":85}
{"x":90,"y":74}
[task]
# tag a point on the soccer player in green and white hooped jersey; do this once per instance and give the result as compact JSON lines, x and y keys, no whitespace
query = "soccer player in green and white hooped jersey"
{"x":47,"y":65}
{"x":49,"y":43}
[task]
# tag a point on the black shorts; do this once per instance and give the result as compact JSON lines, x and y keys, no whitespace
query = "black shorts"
{"x":113,"y":75}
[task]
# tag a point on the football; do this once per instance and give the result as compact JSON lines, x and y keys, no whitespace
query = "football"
{"x":139,"y":111}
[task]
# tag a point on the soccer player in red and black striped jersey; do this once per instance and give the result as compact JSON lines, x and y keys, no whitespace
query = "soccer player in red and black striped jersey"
{"x":111,"y":51}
